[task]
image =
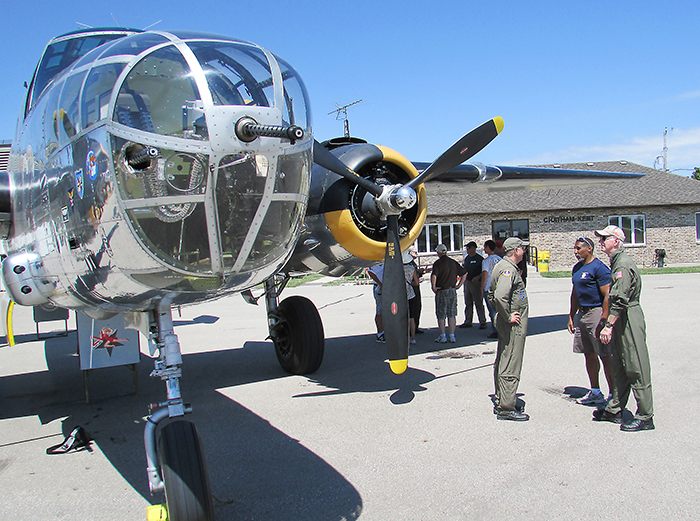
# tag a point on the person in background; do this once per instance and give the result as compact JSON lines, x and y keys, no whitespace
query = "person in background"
{"x":416,"y":288}
{"x":445,"y":280}
{"x":409,"y":270}
{"x":376,"y":273}
{"x":487,"y":268}
{"x":522,"y":266}
{"x":588,"y":309}
{"x":473,"y":297}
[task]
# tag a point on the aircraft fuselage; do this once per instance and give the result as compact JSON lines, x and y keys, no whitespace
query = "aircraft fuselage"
{"x":130,"y":182}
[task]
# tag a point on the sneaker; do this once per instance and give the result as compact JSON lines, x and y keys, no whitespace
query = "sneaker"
{"x":482,"y":326}
{"x":493,"y":335}
{"x":453,"y":340}
{"x":592,"y":399}
{"x":413,"y":341}
{"x":380,"y":338}
{"x":464,"y":326}
{"x":442,"y":339}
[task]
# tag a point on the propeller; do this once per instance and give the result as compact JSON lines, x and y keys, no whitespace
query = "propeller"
{"x":391,"y":201}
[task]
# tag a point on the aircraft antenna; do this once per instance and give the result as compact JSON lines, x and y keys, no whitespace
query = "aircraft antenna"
{"x":342,"y":112}
{"x":154,"y":23}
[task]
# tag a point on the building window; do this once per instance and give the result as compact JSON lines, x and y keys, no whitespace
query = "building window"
{"x":515,"y":228}
{"x":634,"y":227}
{"x":449,"y":234}
{"x":697,"y":227}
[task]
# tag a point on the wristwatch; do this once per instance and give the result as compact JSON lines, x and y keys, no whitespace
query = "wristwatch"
{"x":608,"y":324}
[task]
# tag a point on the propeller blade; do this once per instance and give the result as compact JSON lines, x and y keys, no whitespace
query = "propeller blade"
{"x":324,"y":158}
{"x":395,"y":300}
{"x":466,"y":147}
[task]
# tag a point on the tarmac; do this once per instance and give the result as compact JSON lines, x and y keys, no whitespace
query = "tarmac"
{"x":354,"y":441}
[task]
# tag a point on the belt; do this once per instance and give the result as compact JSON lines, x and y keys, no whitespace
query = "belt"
{"x":586,"y":309}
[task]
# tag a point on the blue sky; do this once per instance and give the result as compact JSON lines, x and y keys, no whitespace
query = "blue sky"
{"x":584,"y":81}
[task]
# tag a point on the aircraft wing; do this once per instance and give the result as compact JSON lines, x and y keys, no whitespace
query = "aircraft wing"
{"x":497,"y":178}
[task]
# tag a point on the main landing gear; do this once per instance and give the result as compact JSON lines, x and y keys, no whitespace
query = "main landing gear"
{"x":295,"y":327}
{"x":177,"y":467}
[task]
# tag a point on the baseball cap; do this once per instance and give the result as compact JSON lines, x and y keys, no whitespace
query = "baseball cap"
{"x":471,"y":244}
{"x":406,"y":257}
{"x":511,"y":243}
{"x":612,"y":230}
{"x":441,"y":248}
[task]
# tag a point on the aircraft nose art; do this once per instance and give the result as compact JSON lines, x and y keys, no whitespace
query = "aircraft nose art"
{"x":199,"y":199}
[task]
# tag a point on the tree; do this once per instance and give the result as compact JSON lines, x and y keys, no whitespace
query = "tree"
{"x":696,"y":173}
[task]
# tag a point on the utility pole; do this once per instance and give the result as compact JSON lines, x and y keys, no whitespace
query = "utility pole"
{"x":344,"y":111}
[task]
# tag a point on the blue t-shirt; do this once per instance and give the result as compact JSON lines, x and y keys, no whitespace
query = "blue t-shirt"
{"x":587,"y":279}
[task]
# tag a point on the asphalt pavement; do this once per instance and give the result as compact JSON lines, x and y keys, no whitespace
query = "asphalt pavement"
{"x":354,"y":441}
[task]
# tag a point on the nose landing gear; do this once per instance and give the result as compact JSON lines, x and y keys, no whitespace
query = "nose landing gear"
{"x":177,"y":466}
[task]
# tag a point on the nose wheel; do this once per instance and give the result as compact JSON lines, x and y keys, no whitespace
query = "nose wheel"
{"x":187,"y":490}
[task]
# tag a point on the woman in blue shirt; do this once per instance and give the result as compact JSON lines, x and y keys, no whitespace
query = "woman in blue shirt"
{"x":589,"y":308}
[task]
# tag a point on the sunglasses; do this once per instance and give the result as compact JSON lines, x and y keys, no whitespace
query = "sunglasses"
{"x":585,"y":240}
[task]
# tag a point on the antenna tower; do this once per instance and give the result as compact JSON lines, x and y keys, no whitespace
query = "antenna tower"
{"x":664,"y":155}
{"x":343,"y":112}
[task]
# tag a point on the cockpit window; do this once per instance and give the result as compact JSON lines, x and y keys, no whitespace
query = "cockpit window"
{"x":295,"y":96}
{"x":61,"y":55}
{"x":134,"y":45}
{"x":237,"y":74}
{"x":154,"y":93}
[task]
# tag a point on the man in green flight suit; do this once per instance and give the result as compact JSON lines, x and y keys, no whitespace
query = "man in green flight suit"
{"x":509,"y":299}
{"x":625,"y":328}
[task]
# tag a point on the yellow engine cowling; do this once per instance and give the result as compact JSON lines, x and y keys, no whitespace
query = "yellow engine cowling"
{"x":347,"y":225}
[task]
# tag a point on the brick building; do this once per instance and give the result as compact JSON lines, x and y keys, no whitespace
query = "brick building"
{"x":658,"y":211}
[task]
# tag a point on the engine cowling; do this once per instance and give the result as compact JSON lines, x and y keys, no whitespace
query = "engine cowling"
{"x":343,"y":230}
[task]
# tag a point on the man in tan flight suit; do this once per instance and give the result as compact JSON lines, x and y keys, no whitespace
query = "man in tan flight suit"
{"x":626,"y":330}
{"x":509,"y":299}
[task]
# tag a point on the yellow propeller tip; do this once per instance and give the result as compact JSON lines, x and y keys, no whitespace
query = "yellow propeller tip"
{"x":398,"y":366}
{"x":498,"y":121}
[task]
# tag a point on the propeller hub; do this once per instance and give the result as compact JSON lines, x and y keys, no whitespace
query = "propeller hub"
{"x":404,"y":198}
{"x":396,"y":198}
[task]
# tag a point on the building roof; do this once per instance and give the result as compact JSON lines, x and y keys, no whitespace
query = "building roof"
{"x":656,"y":188}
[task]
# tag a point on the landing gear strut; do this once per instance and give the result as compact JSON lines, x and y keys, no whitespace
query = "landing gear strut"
{"x":177,"y":467}
{"x":295,"y":329}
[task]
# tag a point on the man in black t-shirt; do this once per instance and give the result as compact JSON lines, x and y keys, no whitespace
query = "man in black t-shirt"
{"x":472,"y":288}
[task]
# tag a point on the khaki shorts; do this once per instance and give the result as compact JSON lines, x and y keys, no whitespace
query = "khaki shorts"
{"x":585,"y":340}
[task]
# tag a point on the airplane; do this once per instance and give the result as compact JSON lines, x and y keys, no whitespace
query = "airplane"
{"x":154,"y":169}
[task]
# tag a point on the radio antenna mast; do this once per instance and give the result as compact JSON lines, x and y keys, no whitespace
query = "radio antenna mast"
{"x":342,"y":112}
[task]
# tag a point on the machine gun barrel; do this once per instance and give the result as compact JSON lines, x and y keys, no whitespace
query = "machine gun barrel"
{"x":248,"y":130}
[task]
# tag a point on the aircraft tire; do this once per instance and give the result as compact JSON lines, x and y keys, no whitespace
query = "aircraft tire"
{"x":298,"y":336}
{"x":187,"y":490}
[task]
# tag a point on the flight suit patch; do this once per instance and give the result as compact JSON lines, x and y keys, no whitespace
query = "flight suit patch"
{"x":618,"y":275}
{"x":507,"y":273}
{"x":522,"y":295}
